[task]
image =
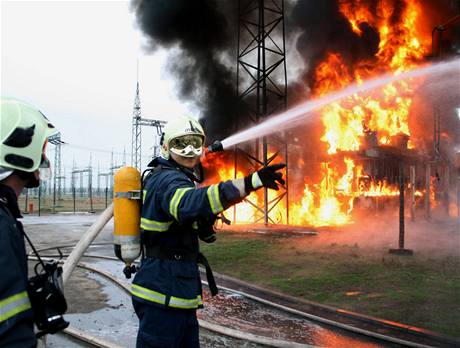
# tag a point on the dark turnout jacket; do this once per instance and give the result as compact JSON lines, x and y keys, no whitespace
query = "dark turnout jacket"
{"x":171,"y":212}
{"x":16,"y":316}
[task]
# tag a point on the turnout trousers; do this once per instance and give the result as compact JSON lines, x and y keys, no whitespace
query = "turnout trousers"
{"x":165,"y":327}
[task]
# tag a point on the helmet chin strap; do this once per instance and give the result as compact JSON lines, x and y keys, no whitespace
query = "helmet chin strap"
{"x":29,"y":177}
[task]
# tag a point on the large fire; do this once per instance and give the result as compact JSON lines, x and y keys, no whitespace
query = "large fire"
{"x":330,"y":199}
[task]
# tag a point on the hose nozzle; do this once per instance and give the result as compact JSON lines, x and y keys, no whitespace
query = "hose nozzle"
{"x":216,"y":147}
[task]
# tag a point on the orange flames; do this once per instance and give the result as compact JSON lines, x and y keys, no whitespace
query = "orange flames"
{"x":400,"y":49}
{"x":348,"y":123}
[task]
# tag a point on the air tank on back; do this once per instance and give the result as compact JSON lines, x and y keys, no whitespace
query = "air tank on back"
{"x":126,"y":201}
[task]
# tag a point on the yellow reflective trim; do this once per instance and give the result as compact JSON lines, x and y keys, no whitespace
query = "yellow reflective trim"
{"x":144,"y":193}
{"x":177,"y":302}
{"x":214,"y":199}
{"x":153,"y":225}
{"x":175,"y":201}
{"x":254,"y":182}
{"x":13,"y":305}
{"x":148,"y":294}
{"x":157,"y":297}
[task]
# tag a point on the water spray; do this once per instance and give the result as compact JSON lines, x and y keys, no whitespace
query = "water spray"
{"x":303,"y":111}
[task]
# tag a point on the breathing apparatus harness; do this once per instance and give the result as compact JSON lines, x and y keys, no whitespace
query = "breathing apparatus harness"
{"x":46,"y":292}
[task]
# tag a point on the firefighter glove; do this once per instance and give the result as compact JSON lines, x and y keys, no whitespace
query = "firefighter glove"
{"x":206,"y":230}
{"x":266,"y":177}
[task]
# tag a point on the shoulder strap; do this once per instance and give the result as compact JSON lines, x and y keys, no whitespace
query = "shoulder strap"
{"x":5,"y":208}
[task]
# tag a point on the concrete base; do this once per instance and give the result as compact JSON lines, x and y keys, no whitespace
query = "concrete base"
{"x":402,"y":252}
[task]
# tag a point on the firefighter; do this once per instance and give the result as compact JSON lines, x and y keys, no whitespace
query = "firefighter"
{"x":166,"y":291}
{"x":23,"y":137}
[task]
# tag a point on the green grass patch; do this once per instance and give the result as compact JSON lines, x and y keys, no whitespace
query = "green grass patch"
{"x":418,"y":291}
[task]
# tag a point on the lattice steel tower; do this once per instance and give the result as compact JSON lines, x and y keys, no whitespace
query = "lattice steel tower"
{"x":56,"y":140}
{"x":262,"y":80}
{"x":136,"y":139}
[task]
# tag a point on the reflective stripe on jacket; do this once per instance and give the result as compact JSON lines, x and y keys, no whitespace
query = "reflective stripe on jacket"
{"x":171,"y":207}
{"x":13,"y":305}
{"x":16,"y":316}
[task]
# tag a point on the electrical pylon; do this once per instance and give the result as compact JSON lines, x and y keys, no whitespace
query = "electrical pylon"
{"x":262,"y":83}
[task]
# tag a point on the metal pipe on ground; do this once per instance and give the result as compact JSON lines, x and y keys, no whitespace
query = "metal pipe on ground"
{"x":412,"y":192}
{"x":457,"y":168}
{"x":427,"y":191}
{"x":83,"y":244}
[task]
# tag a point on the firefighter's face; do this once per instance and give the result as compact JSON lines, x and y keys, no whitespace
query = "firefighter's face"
{"x":188,"y":162}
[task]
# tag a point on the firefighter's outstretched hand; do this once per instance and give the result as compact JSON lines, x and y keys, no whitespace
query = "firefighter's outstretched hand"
{"x":266,"y":177}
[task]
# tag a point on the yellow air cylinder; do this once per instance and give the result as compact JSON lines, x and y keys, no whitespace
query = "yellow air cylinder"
{"x":127,"y":215}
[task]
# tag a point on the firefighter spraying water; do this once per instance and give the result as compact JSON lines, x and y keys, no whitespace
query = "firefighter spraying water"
{"x":175,"y":215}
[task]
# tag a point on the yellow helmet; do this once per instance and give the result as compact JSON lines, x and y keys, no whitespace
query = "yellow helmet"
{"x":23,"y":133}
{"x":185,"y":128}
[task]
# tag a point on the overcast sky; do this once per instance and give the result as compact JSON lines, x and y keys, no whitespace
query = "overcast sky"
{"x":76,"y":61}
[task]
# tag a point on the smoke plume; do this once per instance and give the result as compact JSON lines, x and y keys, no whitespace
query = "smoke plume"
{"x":202,"y":38}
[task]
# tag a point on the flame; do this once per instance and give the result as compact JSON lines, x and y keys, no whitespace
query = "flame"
{"x":400,"y":49}
{"x":360,"y":121}
{"x":355,"y":123}
{"x":357,"y":13}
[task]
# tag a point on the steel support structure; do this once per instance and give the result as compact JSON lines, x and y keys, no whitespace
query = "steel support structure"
{"x":158,"y":125}
{"x":56,"y":140}
{"x":81,"y":172}
{"x":136,"y":133}
{"x":106,"y":189}
{"x":262,"y":84}
{"x":136,"y":136}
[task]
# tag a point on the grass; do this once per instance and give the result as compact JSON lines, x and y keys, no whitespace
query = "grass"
{"x":419,"y":291}
{"x":82,"y":204}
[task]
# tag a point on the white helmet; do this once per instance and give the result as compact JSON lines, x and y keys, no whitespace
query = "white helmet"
{"x":23,"y":134}
{"x":184,"y":137}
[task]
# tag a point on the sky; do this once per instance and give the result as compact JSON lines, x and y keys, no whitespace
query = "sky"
{"x":77,"y":62}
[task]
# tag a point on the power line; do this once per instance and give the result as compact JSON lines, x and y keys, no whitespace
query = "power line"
{"x":93,"y":149}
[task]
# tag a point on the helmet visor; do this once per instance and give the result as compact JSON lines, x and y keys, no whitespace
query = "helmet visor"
{"x":182,"y":142}
{"x":187,"y":146}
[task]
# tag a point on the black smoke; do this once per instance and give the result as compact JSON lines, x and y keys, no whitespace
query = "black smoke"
{"x":204,"y":33}
{"x":324,"y":29}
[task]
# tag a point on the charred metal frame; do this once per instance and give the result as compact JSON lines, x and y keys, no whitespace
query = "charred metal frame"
{"x":438,"y":158}
{"x":262,"y":83}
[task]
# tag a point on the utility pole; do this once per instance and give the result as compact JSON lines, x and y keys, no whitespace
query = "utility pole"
{"x":90,"y":183}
